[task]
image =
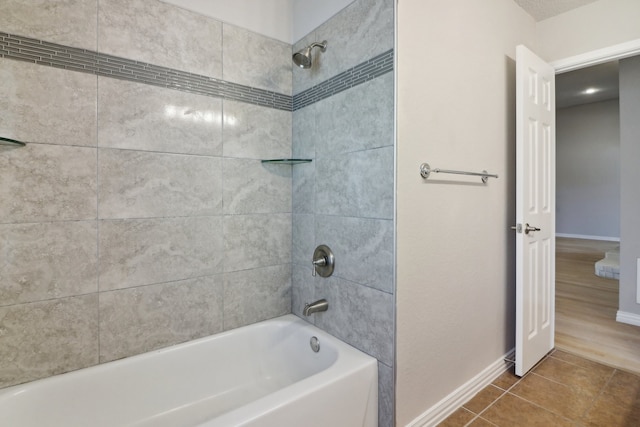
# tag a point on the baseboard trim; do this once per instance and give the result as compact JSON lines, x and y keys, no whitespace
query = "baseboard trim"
{"x":441,"y":410}
{"x":584,"y":236}
{"x":628,"y":318}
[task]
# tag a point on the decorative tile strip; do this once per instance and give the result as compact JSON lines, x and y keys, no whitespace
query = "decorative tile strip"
{"x":368,"y":70}
{"x":88,"y":61}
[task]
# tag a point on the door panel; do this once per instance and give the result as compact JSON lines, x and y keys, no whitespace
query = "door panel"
{"x":535,"y":209}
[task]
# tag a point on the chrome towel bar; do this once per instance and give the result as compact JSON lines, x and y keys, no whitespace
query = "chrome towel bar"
{"x":425,"y":171}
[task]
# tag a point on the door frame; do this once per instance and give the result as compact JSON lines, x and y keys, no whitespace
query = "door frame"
{"x":595,"y":57}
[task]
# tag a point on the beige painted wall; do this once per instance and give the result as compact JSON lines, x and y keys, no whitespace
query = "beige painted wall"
{"x":455,"y":260}
{"x":594,"y":26}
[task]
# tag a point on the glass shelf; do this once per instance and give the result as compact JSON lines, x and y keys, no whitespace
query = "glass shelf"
{"x":287,"y":161}
{"x":11,"y":142}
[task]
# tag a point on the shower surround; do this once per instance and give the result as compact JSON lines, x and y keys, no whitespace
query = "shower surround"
{"x":140,"y":216}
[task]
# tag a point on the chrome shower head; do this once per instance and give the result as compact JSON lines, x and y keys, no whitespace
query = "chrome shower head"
{"x":303,"y":58}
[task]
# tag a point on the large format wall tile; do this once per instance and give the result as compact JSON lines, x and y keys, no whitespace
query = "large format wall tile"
{"x":304,"y":239}
{"x":44,"y":104}
{"x":359,"y":32}
{"x":47,"y":338}
{"x":386,"y":408}
{"x":255,"y":60}
{"x":361,"y":316}
{"x":303,"y":289}
{"x":363,"y":249}
{"x":252,"y":241}
{"x":357,"y":119}
{"x":160,"y":34}
{"x":254,"y":295}
{"x":251,"y":187}
{"x":356,"y":184}
{"x":143,"y":117}
{"x":255,"y":132}
{"x":145,"y":251}
{"x":47,"y":182}
{"x":43,"y":261}
{"x":138,"y":184}
{"x":68,"y":22}
{"x":145,"y":318}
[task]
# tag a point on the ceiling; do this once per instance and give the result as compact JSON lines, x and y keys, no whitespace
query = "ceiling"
{"x":543,"y":9}
{"x":573,"y":88}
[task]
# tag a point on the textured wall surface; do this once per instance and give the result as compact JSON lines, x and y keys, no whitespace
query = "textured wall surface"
{"x":345,"y":197}
{"x":137,"y":216}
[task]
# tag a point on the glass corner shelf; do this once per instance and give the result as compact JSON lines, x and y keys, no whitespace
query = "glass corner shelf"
{"x":11,"y":142}
{"x":287,"y":161}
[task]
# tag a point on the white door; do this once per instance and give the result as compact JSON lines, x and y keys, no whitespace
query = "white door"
{"x":535,"y":209}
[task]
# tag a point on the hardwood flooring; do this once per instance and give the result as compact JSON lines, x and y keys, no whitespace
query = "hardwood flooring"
{"x":586,"y":307}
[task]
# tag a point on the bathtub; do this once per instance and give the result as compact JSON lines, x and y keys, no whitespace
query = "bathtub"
{"x":265,"y":374}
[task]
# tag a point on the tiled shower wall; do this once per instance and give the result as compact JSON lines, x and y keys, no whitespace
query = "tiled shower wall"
{"x":137,"y":216}
{"x":345,"y":197}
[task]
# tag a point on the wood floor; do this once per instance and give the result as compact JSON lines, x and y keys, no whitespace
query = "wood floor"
{"x":586,"y":307}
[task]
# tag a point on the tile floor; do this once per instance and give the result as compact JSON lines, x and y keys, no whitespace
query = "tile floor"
{"x":562,"y":390}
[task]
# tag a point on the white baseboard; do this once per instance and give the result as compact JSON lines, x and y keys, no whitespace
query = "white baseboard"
{"x":584,"y":236}
{"x":441,"y":410}
{"x":629,"y":318}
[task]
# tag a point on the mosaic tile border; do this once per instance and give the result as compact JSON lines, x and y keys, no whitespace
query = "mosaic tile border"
{"x":100,"y":64}
{"x":361,"y":73}
{"x":87,"y":61}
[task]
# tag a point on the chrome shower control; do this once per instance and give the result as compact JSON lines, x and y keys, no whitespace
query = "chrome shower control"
{"x":323,"y":261}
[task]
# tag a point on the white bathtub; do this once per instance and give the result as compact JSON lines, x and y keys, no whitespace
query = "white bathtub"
{"x":259,"y":375}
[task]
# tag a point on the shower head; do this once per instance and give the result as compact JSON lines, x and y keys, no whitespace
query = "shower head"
{"x":303,"y":58}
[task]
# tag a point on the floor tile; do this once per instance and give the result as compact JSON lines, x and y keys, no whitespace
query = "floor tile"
{"x":506,"y":380}
{"x":607,"y":412}
{"x":483,"y":399}
{"x":459,"y":418}
{"x":625,"y":388}
{"x":590,"y":380}
{"x":481,"y":422}
{"x":511,"y":411}
{"x":567,"y":401}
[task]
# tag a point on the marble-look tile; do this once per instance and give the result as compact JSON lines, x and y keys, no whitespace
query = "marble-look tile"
{"x":356,"y":34}
{"x":47,"y":182}
{"x":253,"y":187}
{"x":145,"y":251}
{"x":45,"y":104}
{"x":255,"y":132}
{"x":304,"y":188}
{"x":357,"y":119}
{"x":361,"y":316}
{"x":356,"y":184}
{"x":252,"y":241}
{"x":359,"y":32}
{"x":363,"y":249}
{"x":386,"y":396}
{"x":142,"y":117}
{"x":138,"y":184}
{"x":160,"y":34}
{"x":46,"y":338}
{"x":145,"y":318}
{"x":303,"y":239}
{"x":302,"y":290}
{"x":42,"y":261}
{"x":68,"y":22}
{"x":305,"y":132}
{"x":254,"y":60}
{"x":251,"y":296}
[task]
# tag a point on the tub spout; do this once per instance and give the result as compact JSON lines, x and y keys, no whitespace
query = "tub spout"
{"x":314,"y":307}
